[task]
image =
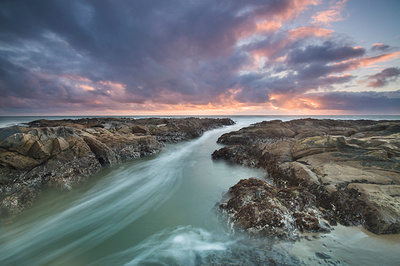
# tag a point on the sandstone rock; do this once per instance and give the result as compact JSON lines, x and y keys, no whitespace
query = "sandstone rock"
{"x":351,"y":167}
{"x":59,"y":145}
{"x":16,"y":161}
{"x":315,"y":145}
{"x":385,"y":201}
{"x":102,"y":152}
{"x":139,"y":129}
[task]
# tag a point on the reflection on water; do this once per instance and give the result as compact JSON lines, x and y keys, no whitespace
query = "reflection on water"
{"x":157,"y":210}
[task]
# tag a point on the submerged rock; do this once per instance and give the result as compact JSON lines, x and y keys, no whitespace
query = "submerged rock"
{"x":351,"y":168}
{"x":64,"y":153}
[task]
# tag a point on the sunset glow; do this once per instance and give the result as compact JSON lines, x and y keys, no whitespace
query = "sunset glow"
{"x":199,"y":57}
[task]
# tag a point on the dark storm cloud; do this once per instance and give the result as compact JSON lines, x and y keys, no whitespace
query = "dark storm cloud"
{"x":109,"y":54}
{"x":148,"y":44}
{"x":384,"y":77}
{"x":360,"y":101}
{"x":327,"y":81}
{"x":327,"y":52}
{"x":380,"y":47}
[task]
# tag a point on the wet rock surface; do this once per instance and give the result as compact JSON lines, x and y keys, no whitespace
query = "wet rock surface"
{"x":348,"y":172}
{"x":261,"y":208}
{"x":64,"y":153}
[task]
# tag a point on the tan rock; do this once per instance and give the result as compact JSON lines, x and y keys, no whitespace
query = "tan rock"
{"x":302,"y":172}
{"x":139,"y":129}
{"x":327,"y":155}
{"x":41,"y":150}
{"x":17,"y":161}
{"x":385,"y":205}
{"x":59,"y":145}
{"x":316,"y":145}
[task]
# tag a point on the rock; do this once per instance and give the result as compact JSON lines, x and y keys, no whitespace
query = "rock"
{"x":59,"y":145}
{"x":16,"y":202}
{"x":260,"y":208}
{"x":385,"y":203}
{"x":315,"y":145}
{"x":139,"y":129}
{"x":64,"y":153}
{"x":246,"y":155}
{"x":322,"y":255}
{"x":351,"y":167}
{"x":9,"y":131}
{"x":16,"y":161}
{"x":102,"y":152}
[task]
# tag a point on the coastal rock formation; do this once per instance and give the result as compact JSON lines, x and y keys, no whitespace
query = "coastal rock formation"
{"x":64,"y":153}
{"x":260,"y":208}
{"x":351,"y":168}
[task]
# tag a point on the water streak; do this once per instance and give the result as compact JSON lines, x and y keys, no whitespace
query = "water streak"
{"x":184,"y":245}
{"x":121,"y":198}
{"x":157,"y":211}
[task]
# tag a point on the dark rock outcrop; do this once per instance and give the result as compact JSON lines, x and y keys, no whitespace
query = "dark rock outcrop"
{"x":351,"y":168}
{"x":64,"y":153}
{"x":260,"y":208}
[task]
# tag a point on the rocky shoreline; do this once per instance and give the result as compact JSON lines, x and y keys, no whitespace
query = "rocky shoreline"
{"x":324,"y":172}
{"x":65,"y":153}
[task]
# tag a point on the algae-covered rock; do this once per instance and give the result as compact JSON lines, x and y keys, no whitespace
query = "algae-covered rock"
{"x":257,"y":207}
{"x":351,"y":167}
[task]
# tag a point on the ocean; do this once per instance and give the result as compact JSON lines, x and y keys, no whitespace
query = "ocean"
{"x":158,"y":210}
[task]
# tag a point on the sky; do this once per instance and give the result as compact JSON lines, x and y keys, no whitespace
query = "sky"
{"x":199,"y":57}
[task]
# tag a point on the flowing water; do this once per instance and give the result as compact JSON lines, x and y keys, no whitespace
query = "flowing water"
{"x":159,"y":211}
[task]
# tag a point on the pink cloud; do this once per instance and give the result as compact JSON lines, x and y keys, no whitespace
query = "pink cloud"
{"x":294,"y":8}
{"x":270,"y":19}
{"x":384,"y":77}
{"x":309,"y":31}
{"x":368,"y":61}
{"x":331,"y":15}
{"x":268,"y":26}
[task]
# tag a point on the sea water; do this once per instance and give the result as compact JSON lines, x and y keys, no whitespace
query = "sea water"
{"x":158,"y":210}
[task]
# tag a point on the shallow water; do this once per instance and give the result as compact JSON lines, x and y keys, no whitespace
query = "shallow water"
{"x":158,"y":211}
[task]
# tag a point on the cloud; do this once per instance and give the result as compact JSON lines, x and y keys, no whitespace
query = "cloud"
{"x":327,"y":52}
{"x":355,"y":102}
{"x":360,"y":101}
{"x":310,"y":31}
{"x":334,"y":13}
{"x":267,"y":26}
{"x":320,"y":69}
{"x":384,"y":77}
{"x":380,"y":47}
{"x":143,"y":55}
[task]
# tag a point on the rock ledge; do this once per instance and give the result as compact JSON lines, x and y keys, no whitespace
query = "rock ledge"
{"x":339,"y":171}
